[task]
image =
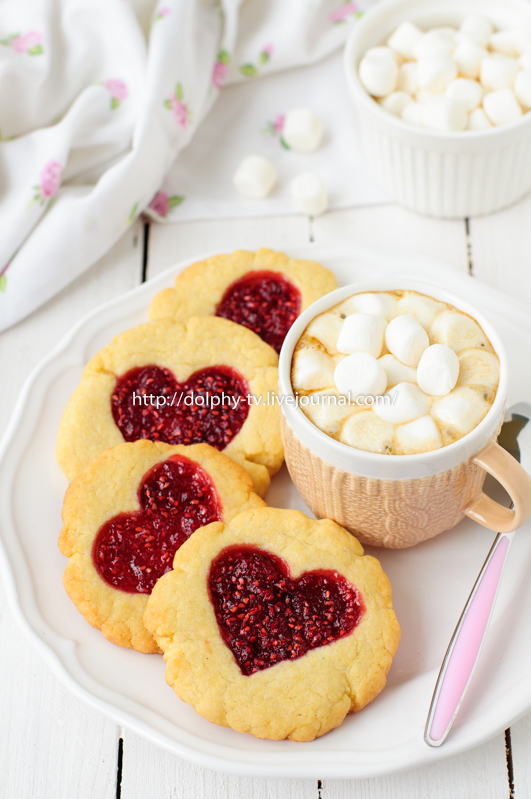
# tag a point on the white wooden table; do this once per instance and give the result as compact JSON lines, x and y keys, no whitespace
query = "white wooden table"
{"x":51,"y":745}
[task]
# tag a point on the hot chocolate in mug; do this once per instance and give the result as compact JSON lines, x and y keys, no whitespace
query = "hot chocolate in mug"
{"x":399,"y":500}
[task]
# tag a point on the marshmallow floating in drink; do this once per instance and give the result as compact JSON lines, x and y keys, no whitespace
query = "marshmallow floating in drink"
{"x":450,"y":80}
{"x":362,"y":332}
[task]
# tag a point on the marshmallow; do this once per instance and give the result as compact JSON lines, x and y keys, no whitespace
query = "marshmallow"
{"x":379,"y":303}
{"x":326,"y":328}
{"x":478,"y":120}
{"x":397,"y":372}
{"x":407,"y":80}
{"x":310,"y":193}
{"x":412,"y":113}
{"x":502,"y":107}
{"x":438,"y":370}
{"x":327,"y":409}
{"x":433,"y":43}
{"x":522,"y":87}
{"x":510,"y":42}
{"x":444,"y":114}
{"x":378,"y":71}
{"x":461,"y":410}
{"x":468,"y":57}
{"x":457,"y":331}
{"x":303,"y":130}
{"x":435,"y":72}
{"x":465,"y":91}
{"x":255,"y":177}
{"x":406,"y":339}
{"x":478,"y":368}
{"x":404,"y":39}
{"x":421,"y":435}
{"x":406,"y":402}
{"x":366,"y":431}
{"x":423,"y":309}
{"x":525,"y":60}
{"x":362,"y":332}
{"x":312,"y":368}
{"x":360,"y":375}
{"x":395,"y":102}
{"x":497,"y":71}
{"x":477,"y":27}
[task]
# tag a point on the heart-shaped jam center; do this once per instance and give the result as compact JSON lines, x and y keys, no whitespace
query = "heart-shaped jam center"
{"x":265,"y":617}
{"x":132,"y":550}
{"x":209,"y":408}
{"x":265,"y":302}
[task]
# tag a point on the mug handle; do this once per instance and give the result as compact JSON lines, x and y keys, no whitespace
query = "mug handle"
{"x":516,"y":481}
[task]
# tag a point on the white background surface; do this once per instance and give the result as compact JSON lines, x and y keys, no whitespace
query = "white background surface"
{"x":53,"y":746}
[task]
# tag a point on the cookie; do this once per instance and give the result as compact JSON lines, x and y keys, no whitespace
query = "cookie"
{"x":207,"y":380}
{"x":275,"y":624}
{"x":264,"y":291}
{"x":125,"y":517}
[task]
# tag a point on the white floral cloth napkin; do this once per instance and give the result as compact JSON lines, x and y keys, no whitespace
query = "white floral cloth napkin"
{"x":99,"y":97}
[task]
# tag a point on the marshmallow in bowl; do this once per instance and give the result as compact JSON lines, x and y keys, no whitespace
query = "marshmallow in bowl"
{"x":303,"y":130}
{"x":255,"y":177}
{"x":466,"y":66}
{"x":309,"y":193}
{"x":360,"y":375}
{"x":438,"y":370}
{"x":456,"y":362}
{"x":406,"y":339}
{"x":362,"y":332}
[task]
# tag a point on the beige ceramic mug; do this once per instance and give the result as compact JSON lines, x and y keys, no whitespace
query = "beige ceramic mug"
{"x":399,"y":500}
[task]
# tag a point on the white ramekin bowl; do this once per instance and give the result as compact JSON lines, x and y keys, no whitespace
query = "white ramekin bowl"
{"x":439,"y":174}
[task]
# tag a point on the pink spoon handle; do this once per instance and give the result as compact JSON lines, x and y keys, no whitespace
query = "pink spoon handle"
{"x":464,"y":648}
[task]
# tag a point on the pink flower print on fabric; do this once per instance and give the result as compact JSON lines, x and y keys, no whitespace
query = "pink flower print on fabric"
{"x":118,"y":91}
{"x":161,"y":13}
{"x":50,"y":180}
{"x":251,"y":70}
{"x":26,"y":43}
{"x":344,"y":11}
{"x":275,"y":128}
{"x":219,"y":72}
{"x":162,"y":204}
{"x":180,"y":110}
{"x":266,"y":53}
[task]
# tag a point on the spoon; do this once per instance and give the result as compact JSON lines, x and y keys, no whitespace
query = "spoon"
{"x":465,"y":645}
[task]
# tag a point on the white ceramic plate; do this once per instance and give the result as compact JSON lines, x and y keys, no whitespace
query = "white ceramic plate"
{"x":430,"y":582}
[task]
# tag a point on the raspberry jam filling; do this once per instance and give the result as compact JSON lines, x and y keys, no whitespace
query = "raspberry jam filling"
{"x":132,"y":550}
{"x":210,"y":408}
{"x":265,"y":302}
{"x":265,"y":617}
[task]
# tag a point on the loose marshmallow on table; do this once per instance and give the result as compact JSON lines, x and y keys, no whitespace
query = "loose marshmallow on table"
{"x":477,"y":27}
{"x":255,"y":177}
{"x":438,"y":370}
{"x":362,"y":332}
{"x":478,"y":120}
{"x":421,"y":435}
{"x":326,"y":328}
{"x":406,"y":339}
{"x":396,"y":371}
{"x":379,"y":71}
{"x":434,"y":42}
{"x":404,"y":39}
{"x":497,"y":71}
{"x":407,"y":80}
{"x":360,"y":374}
{"x":465,"y":91}
{"x":303,"y":130}
{"x":468,"y":57}
{"x":312,"y":368}
{"x":396,"y":102}
{"x":310,"y":193}
{"x":501,"y":107}
{"x":379,"y":303}
{"x":434,"y":72}
{"x":407,"y":402}
{"x":443,"y":114}
{"x":522,"y":87}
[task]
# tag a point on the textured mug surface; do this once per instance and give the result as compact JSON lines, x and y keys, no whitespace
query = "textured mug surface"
{"x":394,"y":501}
{"x":447,"y":175}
